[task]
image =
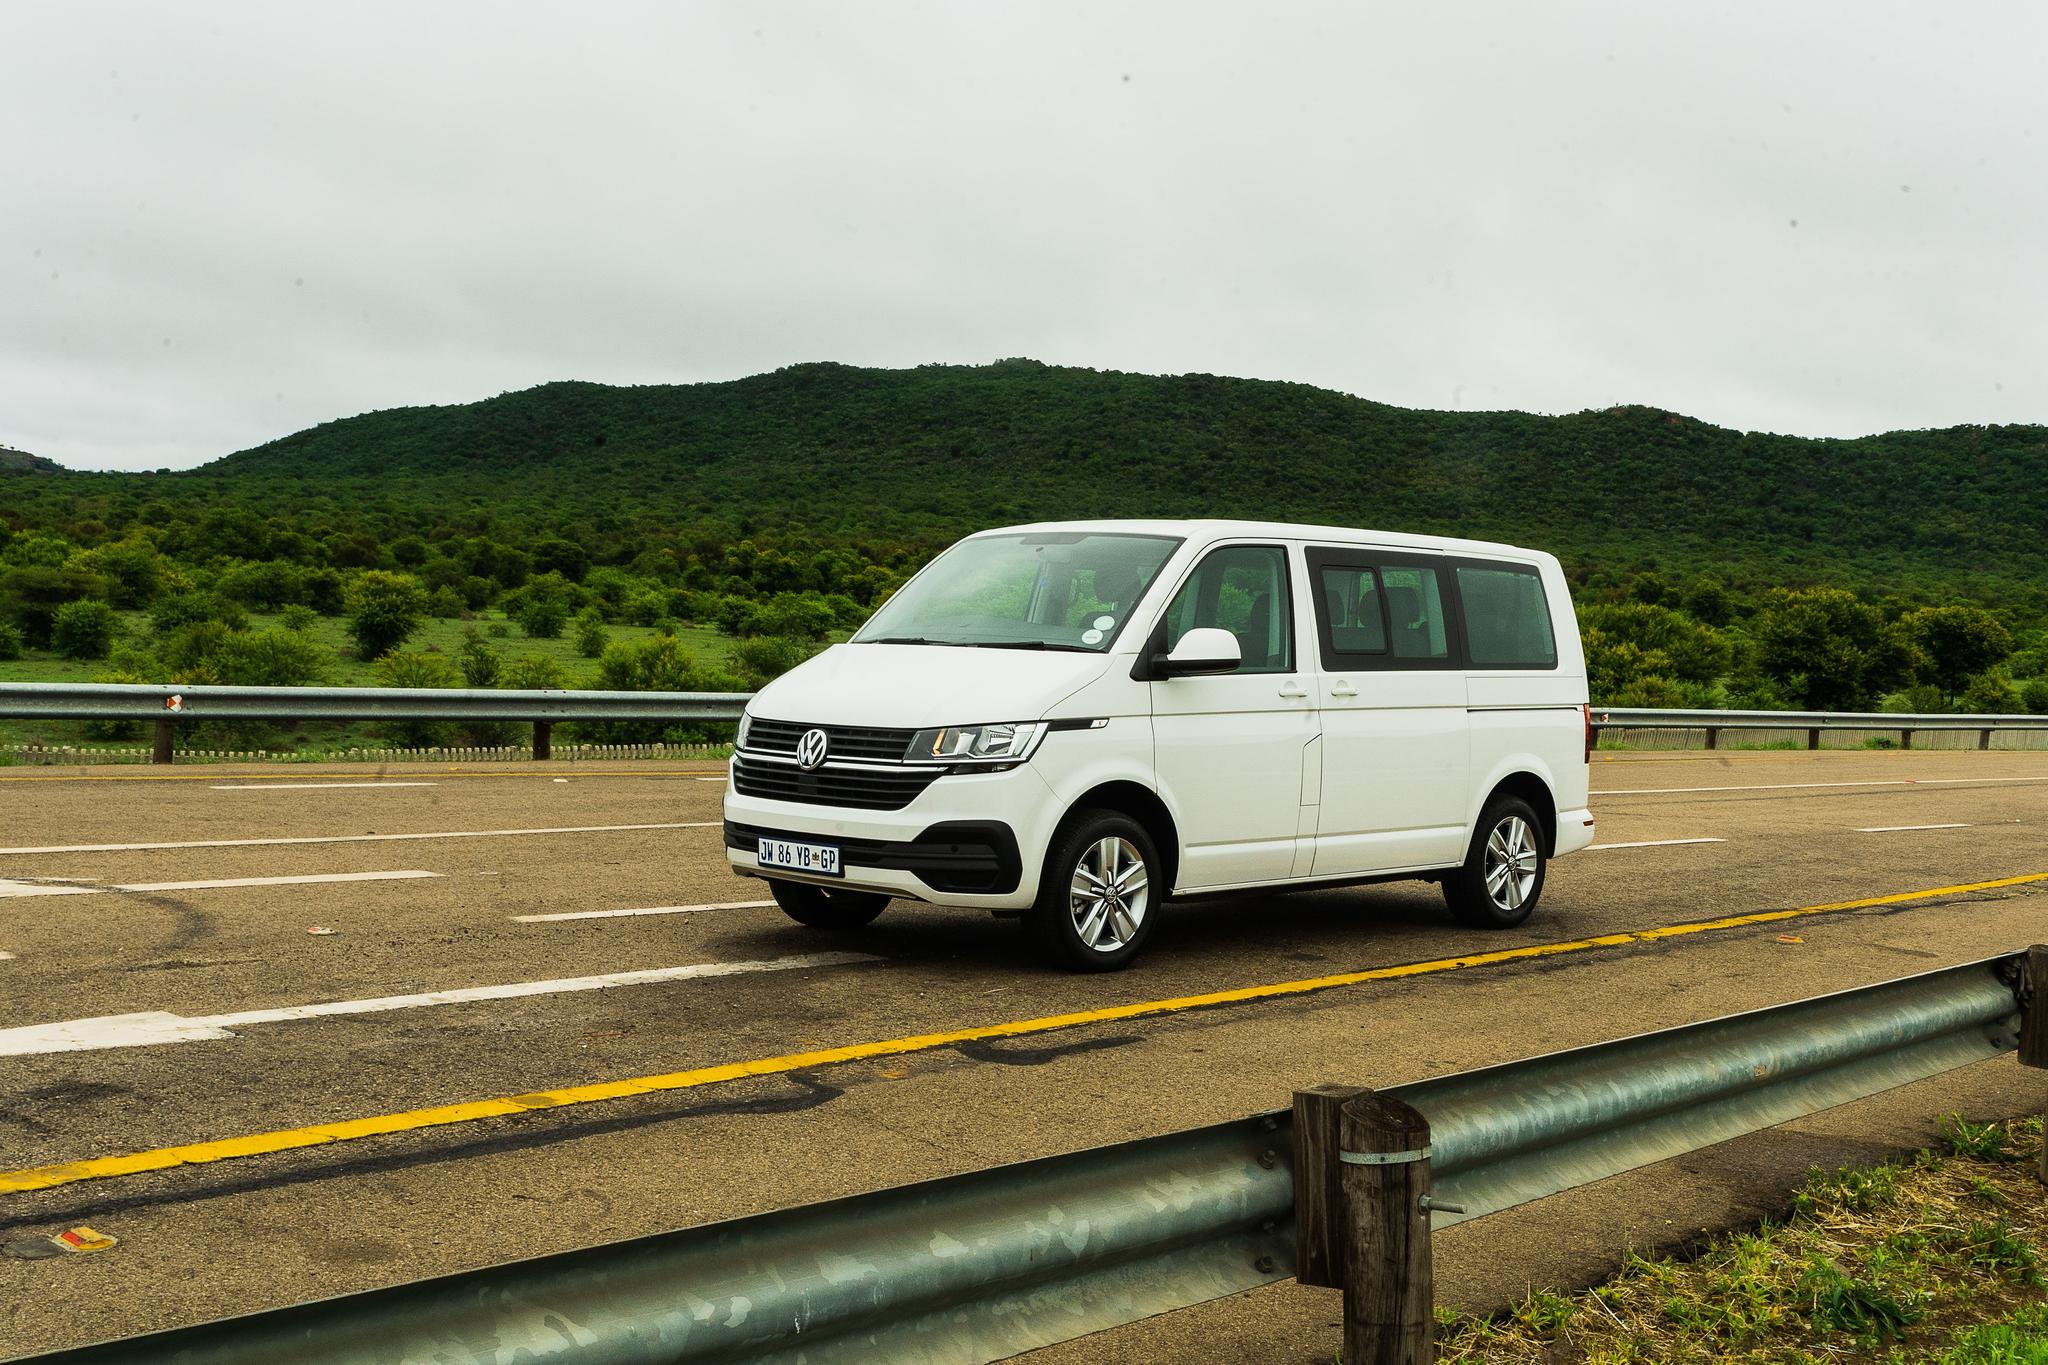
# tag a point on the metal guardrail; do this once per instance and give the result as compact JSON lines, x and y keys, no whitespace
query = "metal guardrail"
{"x":167,"y":704}
{"x":1813,"y":722}
{"x":977,"y":1267}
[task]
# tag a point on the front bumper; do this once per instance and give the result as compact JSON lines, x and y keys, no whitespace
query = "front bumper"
{"x":958,"y":858}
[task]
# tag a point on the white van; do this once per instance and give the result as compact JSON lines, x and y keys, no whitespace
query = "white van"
{"x":1078,"y":720}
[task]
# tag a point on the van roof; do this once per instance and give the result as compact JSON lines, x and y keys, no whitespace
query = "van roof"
{"x":1209,"y":528}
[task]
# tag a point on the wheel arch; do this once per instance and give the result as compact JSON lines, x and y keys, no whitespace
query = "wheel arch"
{"x":1139,"y":802}
{"x":1531,"y":788}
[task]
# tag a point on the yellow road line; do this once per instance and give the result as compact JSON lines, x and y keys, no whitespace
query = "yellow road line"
{"x":348,"y":1130}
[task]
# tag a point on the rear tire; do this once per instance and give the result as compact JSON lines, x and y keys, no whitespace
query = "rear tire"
{"x":1100,"y":894}
{"x":822,"y":908}
{"x":1502,"y":877}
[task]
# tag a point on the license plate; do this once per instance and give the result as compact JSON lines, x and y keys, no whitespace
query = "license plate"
{"x":818,"y":859}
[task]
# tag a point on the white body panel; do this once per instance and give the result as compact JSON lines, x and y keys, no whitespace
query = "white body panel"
{"x":1330,"y":771}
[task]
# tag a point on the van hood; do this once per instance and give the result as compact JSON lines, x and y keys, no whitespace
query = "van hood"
{"x":918,"y":686}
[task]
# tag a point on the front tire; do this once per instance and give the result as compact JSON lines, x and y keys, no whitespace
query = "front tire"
{"x":1100,"y":894}
{"x":1502,"y":877}
{"x":823,"y":908}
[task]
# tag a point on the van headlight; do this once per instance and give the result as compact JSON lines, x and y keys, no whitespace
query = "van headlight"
{"x":739,"y":741}
{"x":1002,"y":742}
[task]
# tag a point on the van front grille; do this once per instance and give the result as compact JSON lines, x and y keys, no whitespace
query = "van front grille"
{"x":859,"y":788}
{"x":868,"y":743}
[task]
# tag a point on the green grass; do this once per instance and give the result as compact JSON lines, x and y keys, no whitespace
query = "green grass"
{"x":1936,"y":1259}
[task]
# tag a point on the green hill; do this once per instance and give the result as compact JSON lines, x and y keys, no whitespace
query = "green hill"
{"x":916,"y":455}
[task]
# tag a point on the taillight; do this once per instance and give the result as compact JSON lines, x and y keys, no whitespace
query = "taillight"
{"x":1587,"y":711}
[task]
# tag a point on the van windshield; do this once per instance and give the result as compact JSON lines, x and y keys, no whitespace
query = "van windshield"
{"x":1037,"y":590}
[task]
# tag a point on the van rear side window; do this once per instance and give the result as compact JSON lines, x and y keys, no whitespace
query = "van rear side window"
{"x":1506,"y":617}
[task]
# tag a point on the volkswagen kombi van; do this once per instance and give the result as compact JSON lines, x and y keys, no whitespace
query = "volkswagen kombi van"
{"x":1079,"y":721}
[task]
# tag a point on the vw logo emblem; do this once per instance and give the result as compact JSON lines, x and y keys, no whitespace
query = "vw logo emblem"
{"x":810,"y":750}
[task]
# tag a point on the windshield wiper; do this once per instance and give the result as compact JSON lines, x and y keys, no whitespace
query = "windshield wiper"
{"x":904,"y":640}
{"x":1031,"y":644}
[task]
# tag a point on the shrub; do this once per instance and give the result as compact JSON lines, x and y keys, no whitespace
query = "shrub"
{"x":32,"y":594}
{"x":10,"y":640}
{"x":84,"y":630}
{"x":384,"y":610}
{"x":298,"y":616}
{"x":185,"y":608}
{"x":446,"y":604}
{"x":767,"y":657}
{"x":533,"y":672}
{"x":542,"y":618}
{"x":269,"y":658}
{"x":416,"y":668}
{"x":658,"y":663}
{"x":591,"y":636}
{"x":480,"y":663}
{"x":2034,"y":693}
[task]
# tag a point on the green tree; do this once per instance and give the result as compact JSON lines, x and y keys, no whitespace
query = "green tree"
{"x":170,"y":613}
{"x":565,"y":557}
{"x":32,"y":594}
{"x":536,"y":673}
{"x":298,"y":616}
{"x":542,"y":618}
{"x":384,"y":610}
{"x":1958,"y":642}
{"x":480,"y":663}
{"x":416,"y":668}
{"x":1831,"y":651}
{"x":84,"y":629}
{"x":269,"y":658}
{"x":591,"y":636}
{"x":10,"y":640}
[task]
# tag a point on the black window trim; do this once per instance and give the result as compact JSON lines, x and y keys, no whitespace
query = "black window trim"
{"x":1144,"y":670}
{"x":1375,"y":558}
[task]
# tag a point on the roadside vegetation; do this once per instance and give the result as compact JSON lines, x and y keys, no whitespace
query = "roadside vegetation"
{"x":1941,"y":1258}
{"x":710,"y":537}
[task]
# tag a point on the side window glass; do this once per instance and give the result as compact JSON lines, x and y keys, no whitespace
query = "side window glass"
{"x":1506,"y":617}
{"x":1415,"y":612}
{"x":1351,"y":604}
{"x":1241,"y":589}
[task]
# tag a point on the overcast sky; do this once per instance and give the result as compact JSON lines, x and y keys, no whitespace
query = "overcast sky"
{"x":222,"y":223}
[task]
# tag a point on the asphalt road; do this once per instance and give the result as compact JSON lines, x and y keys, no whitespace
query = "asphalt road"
{"x":162,"y":990}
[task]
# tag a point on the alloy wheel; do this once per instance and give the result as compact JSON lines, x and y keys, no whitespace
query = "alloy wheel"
{"x":1511,"y":863}
{"x":1109,"y":894}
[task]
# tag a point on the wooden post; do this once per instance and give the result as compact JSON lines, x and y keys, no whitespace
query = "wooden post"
{"x":1983,"y":739}
{"x":1813,"y":739}
{"x":1389,"y":1299}
{"x":160,"y":752}
{"x":2034,"y":1025}
{"x":543,"y":732}
{"x":1713,"y":737}
{"x":1318,"y":1187}
{"x":1905,"y":739}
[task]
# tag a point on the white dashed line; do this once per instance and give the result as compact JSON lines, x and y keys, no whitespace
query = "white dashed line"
{"x":311,"y":786}
{"x":13,"y":888}
{"x":1655,"y":843}
{"x":1901,"y":829}
{"x":353,"y":838}
{"x":650,"y":910}
{"x":142,"y":1030}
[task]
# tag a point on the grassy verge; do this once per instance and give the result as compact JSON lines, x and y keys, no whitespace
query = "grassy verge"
{"x":1938,"y":1258}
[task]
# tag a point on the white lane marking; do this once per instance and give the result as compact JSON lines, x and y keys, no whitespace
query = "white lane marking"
{"x":1655,"y":843}
{"x":309,"y":786}
{"x":8,"y":888}
{"x":6,"y":957}
{"x":1901,"y":829}
{"x":145,"y":1029}
{"x":1796,"y":786}
{"x":275,"y":881}
{"x":713,"y":779}
{"x":650,"y":910}
{"x":13,"y":888}
{"x":353,"y":838}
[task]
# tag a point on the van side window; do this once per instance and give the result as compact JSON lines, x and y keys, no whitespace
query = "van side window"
{"x":1351,"y":605}
{"x":1242,"y":589}
{"x":1506,"y":618}
{"x":1415,"y":612}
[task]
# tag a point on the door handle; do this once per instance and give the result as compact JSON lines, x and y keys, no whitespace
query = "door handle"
{"x":1342,"y":688}
{"x":1291,"y":688}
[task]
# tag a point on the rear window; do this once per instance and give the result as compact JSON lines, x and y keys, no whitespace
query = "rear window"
{"x":1507,"y":618}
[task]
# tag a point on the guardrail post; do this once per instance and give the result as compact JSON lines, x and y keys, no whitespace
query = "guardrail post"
{"x":1905,"y":739}
{"x":2034,"y":1025}
{"x":1389,"y":1299}
{"x":1318,"y":1185}
{"x":543,"y":734}
{"x":1813,"y":739}
{"x":160,"y":751}
{"x":1713,"y":737}
{"x":1983,"y":739}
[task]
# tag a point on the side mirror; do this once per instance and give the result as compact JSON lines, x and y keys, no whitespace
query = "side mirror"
{"x":1202,"y":651}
